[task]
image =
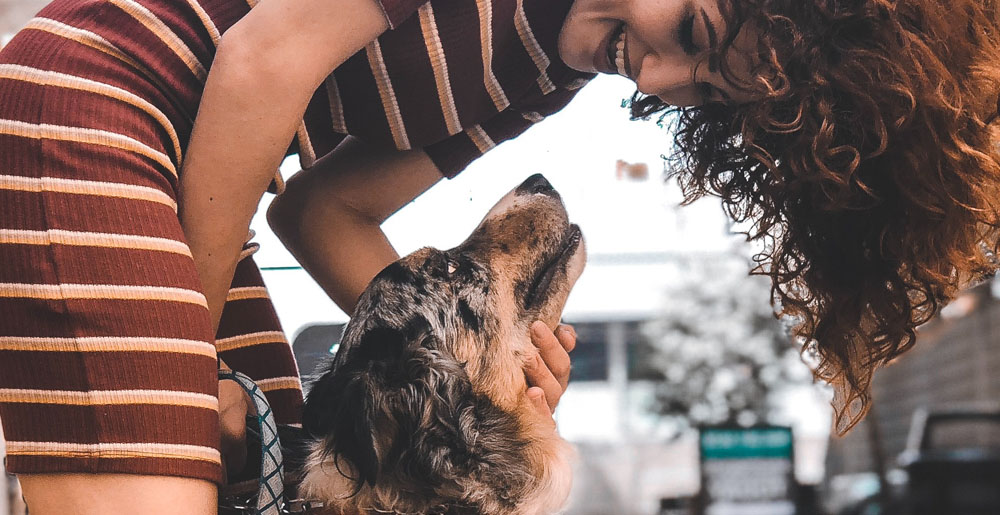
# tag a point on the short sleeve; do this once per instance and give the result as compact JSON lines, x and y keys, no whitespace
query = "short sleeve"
{"x":454,"y":154}
{"x":397,"y":11}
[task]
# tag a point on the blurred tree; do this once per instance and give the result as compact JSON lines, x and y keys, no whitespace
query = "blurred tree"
{"x":720,"y":353}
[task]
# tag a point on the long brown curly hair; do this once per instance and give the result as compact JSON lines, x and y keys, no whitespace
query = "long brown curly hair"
{"x":868,"y":167}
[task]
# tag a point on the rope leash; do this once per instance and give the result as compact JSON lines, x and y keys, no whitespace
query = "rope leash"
{"x":270,"y":485}
{"x":269,"y":498}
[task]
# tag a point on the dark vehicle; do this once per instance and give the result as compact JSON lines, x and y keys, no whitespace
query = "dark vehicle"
{"x":953,"y":463}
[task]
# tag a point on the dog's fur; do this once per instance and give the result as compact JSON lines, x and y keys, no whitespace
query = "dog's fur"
{"x":423,"y":409}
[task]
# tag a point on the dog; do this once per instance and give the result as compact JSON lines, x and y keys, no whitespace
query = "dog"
{"x":423,"y":408}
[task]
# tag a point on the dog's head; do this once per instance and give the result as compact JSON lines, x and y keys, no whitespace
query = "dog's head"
{"x":422,"y":410}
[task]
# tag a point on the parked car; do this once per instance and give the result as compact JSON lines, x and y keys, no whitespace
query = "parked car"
{"x":953,"y":462}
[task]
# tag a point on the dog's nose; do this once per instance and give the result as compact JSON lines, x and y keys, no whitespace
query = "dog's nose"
{"x":536,"y":184}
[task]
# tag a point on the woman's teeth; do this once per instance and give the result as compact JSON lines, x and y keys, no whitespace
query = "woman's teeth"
{"x":620,"y":54}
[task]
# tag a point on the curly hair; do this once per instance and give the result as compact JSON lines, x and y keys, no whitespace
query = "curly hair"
{"x":867,"y":165}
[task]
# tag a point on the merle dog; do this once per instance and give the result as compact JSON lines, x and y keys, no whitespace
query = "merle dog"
{"x":422,"y":410}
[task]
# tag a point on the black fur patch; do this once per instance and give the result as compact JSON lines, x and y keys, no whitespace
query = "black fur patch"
{"x":468,"y":315}
{"x":395,"y":273}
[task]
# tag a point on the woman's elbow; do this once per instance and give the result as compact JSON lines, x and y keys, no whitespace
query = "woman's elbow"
{"x":284,"y":216}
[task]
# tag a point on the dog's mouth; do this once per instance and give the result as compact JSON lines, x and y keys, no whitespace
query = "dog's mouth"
{"x":540,"y":287}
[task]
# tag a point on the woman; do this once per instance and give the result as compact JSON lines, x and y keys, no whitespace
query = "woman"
{"x":811,"y":114}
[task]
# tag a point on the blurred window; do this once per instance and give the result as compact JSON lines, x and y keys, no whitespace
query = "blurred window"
{"x":590,"y":357}
{"x":641,"y":354}
{"x":964,"y":433}
{"x":313,"y":345}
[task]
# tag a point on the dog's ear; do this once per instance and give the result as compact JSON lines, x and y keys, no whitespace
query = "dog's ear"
{"x":399,"y":408}
{"x":338,"y":409}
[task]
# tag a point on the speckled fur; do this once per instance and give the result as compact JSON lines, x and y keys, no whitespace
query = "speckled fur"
{"x":422,"y":410}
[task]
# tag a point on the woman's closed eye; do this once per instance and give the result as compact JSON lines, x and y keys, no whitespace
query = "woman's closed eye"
{"x":685,"y":35}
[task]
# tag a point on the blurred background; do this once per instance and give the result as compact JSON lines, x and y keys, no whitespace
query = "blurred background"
{"x":686,"y":394}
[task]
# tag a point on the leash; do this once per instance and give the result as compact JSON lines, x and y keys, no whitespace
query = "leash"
{"x":270,"y":484}
{"x":269,"y":497}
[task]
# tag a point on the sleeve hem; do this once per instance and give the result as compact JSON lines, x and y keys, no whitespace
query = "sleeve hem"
{"x":397,"y":11}
{"x":447,"y":166}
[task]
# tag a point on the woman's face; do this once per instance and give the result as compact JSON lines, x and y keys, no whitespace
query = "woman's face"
{"x":656,"y":43}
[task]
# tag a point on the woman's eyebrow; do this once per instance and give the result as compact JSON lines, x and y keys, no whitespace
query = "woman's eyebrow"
{"x":712,"y":38}
{"x":713,"y":65}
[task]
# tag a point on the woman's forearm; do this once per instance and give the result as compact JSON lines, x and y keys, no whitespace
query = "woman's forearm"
{"x":265,"y":70}
{"x":329,"y":216}
{"x":342,"y":255}
{"x":92,"y":494}
{"x":236,"y":145}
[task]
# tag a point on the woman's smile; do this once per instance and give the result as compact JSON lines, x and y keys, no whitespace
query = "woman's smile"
{"x":659,"y":44}
{"x":618,"y":52}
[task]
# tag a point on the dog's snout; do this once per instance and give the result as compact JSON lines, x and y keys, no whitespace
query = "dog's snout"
{"x":537,"y":184}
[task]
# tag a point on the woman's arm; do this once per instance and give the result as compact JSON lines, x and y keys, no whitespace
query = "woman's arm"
{"x":330,"y":216}
{"x":266,"y":68}
{"x":102,"y":494}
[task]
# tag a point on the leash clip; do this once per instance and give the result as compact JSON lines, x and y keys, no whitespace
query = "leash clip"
{"x":295,"y":506}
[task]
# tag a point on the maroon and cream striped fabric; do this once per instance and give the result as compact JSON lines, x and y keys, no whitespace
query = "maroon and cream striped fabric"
{"x":106,"y":357}
{"x":454,"y":77}
{"x":106,"y":360}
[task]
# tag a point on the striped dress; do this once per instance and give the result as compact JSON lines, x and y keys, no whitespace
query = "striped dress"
{"x":107,"y":361}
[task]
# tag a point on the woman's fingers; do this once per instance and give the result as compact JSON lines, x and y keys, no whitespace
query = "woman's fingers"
{"x":539,"y":376}
{"x":549,"y":371}
{"x":567,"y":336}
{"x":552,"y":351}
{"x":537,"y":399}
{"x":233,"y":409}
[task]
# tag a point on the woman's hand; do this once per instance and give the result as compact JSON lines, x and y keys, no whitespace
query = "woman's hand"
{"x":548,"y":374}
{"x":234,"y":405}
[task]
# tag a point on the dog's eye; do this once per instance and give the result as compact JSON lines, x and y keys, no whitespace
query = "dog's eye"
{"x":452,"y":266}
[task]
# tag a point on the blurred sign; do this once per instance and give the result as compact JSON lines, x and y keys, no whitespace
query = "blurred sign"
{"x":747,"y":471}
{"x":631,"y":171}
